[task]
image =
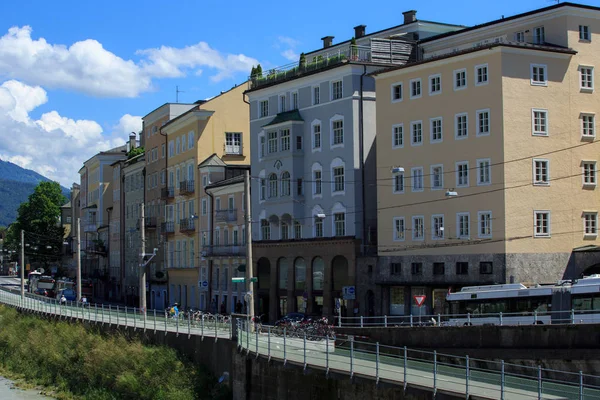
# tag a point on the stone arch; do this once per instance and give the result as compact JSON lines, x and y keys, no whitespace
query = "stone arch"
{"x":339,"y":270}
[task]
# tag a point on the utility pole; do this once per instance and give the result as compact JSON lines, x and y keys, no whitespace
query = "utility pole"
{"x":22,"y":264}
{"x":143,"y":264}
{"x":249,"y":273}
{"x":78,"y":255}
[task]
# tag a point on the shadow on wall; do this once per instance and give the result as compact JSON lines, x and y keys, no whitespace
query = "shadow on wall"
{"x":583,"y":262}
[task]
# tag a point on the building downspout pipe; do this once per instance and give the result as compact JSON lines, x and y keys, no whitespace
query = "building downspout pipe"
{"x":210,"y":243}
{"x":361,"y":152}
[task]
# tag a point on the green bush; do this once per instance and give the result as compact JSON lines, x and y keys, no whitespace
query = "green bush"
{"x":80,"y":363}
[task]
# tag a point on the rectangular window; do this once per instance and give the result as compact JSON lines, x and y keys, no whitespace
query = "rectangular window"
{"x":541,"y":223}
{"x":396,"y":92}
{"x":282,"y":103}
{"x":204,"y":207}
{"x":338,"y":179}
{"x":436,"y":130}
{"x":235,"y":237}
{"x":416,"y":268}
{"x":416,"y":135}
{"x":339,"y":224}
{"x":586,"y":75}
{"x":541,"y":172}
{"x":418,"y":228}
{"x":539,"y":35}
{"x":395,"y":268}
{"x":299,"y":187}
{"x":171,"y":148}
{"x":588,"y":128}
{"x":415,"y":88}
{"x":264,"y":109}
{"x":417,"y":179}
{"x":589,"y":173}
{"x":265,"y":229}
{"x":399,"y":229}
{"x":481,"y":75}
{"x":483,"y":122}
{"x":435,"y":84}
{"x":439,"y":268}
{"x":218,"y":204}
{"x":584,"y":33}
{"x":462,"y":268}
{"x":538,"y":75}
{"x":437,"y":227}
{"x":460,"y":79}
{"x":484,"y":224}
{"x":463,"y":225}
{"x":462,"y":174}
{"x":437,"y":177}
{"x":336,"y":90}
{"x":295,"y":101}
{"x":398,"y":182}
{"x":316,"y":136}
{"x":272,"y":140}
{"x":261,"y":147}
{"x":297,"y":230}
{"x":397,"y":136}
{"x":177,"y":145}
{"x":233,"y":143}
{"x":183,"y":143}
{"x":285,"y":231}
{"x":338,"y":132}
{"x":520,"y":37}
{"x":263,"y":189}
{"x":298,"y":142}
{"x":316,"y":95}
{"x":191,"y":140}
{"x":162,"y":151}
{"x":590,"y":223}
{"x":461,"y":126}
{"x":486,"y":267}
{"x":318,"y":185}
{"x":285,"y":139}
{"x":318,"y":227}
{"x":539,"y":122}
{"x":484,"y":172}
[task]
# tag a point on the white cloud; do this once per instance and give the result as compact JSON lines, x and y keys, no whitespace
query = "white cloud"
{"x":290,"y":45}
{"x":288,"y":41}
{"x":54,"y":146}
{"x":290,"y":55}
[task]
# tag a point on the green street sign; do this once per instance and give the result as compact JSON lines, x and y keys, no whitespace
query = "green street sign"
{"x":238,"y":280}
{"x":254,"y":280}
{"x":242,"y":268}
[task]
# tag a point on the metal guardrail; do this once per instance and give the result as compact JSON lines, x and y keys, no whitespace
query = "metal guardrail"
{"x":396,"y":365}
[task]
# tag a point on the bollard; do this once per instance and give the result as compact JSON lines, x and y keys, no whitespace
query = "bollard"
{"x":256,"y":334}
{"x":502,"y":380}
{"x":405,"y":366}
{"x":411,"y":320}
{"x":327,"y":356}
{"x":117,"y":313}
{"x":467,"y":376}
{"x":500,"y":318}
{"x":202,"y":327}
{"x":304,"y":351}
{"x":134,"y":319}
{"x":580,"y":385}
{"x":110,"y":315}
{"x":284,"y":347}
{"x":126,"y":324}
{"x":439,"y":321}
{"x":434,"y":373}
{"x":351,"y":357}
{"x":539,"y":382}
{"x":269,"y":344}
{"x":572,"y":316}
{"x":361,"y":322}
{"x":385,"y":321}
{"x":377,"y":363}
{"x":189,"y":327}
{"x":469,"y":318}
{"x":535,"y":319}
{"x":155,"y":320}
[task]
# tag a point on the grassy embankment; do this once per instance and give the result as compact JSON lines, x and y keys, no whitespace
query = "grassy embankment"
{"x":73,"y":363}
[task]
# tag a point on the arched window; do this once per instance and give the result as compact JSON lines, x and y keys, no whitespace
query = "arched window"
{"x":283,"y":273}
{"x":285,"y":184}
{"x":318,"y":218}
{"x":338,"y":180}
{"x":318,"y":273}
{"x":272,"y":186}
{"x":300,"y":273}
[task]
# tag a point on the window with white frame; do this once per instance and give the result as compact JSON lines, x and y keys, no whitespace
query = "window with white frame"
{"x":520,"y":37}
{"x":586,"y":78}
{"x":460,"y":79}
{"x":261,"y":146}
{"x":484,"y":172}
{"x":177,"y":145}
{"x":584,"y":33}
{"x":297,"y":230}
{"x":463,"y":225}
{"x":233,"y":143}
{"x":541,"y":221}
{"x":265,"y":229}
{"x":235,"y":237}
{"x":399,"y":229}
{"x":481,"y":75}
{"x":162,"y":151}
{"x":272,"y":142}
{"x":539,"y":75}
{"x":336,"y":90}
{"x":484,"y":224}
{"x":339,"y":223}
{"x":437,"y":227}
{"x":317,"y":182}
{"x":539,"y":35}
{"x":316,"y":142}
{"x":398,"y":183}
{"x":539,"y":122}
{"x":415,"y":88}
{"x":435,"y":84}
{"x":171,"y":148}
{"x":418,"y":227}
{"x":183,"y":143}
{"x":263,"y":189}
{"x":397,"y":92}
{"x":588,"y":128}
{"x":191,"y":139}
{"x":204,"y":207}
{"x":282,"y":103}
{"x":436,"y":130}
{"x":483,"y":122}
{"x":397,"y":136}
{"x":589,"y":173}
{"x":316,"y":95}
{"x":437,"y":177}
{"x":285,"y":231}
{"x":264,"y":109}
{"x":461,"y":126}
{"x":417,"y":179}
{"x":285,"y":184}
{"x":541,"y":172}
{"x":295,"y":104}
{"x":285,"y":139}
{"x":462,"y":174}
{"x":272,"y":186}
{"x":590,"y":223}
{"x":416,"y":133}
{"x":337,"y":128}
{"x":318,"y":227}
{"x":338,"y":179}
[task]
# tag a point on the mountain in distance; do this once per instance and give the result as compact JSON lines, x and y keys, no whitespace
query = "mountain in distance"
{"x":16,"y":184}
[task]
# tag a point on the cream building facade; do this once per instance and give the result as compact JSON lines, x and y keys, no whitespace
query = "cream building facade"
{"x":487,"y":158}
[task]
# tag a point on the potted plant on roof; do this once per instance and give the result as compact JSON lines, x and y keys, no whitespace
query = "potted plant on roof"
{"x":302,"y":62}
{"x":353,"y":50}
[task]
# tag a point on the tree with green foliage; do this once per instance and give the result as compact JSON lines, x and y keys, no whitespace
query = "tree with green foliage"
{"x":259,"y":71}
{"x":39,"y":217}
{"x":302,"y":62}
{"x":136,"y":151}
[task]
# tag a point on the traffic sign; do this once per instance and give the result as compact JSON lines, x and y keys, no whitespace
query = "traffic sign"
{"x":419,"y":300}
{"x":349,"y":292}
{"x":254,"y":279}
{"x":204,"y":283}
{"x":238,"y":280}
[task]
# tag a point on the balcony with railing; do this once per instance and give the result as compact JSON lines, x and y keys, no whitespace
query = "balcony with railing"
{"x":187,"y":225}
{"x":224,"y":251}
{"x":379,"y":51}
{"x":229,"y":215}
{"x":150,"y":222}
{"x":167,"y":192}
{"x":167,"y":227}
{"x":186,"y":187}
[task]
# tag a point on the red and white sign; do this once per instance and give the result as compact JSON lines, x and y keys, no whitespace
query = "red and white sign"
{"x":419,"y":300}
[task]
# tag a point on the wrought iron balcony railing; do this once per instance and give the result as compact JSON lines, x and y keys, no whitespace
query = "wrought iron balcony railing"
{"x":186,"y":187}
{"x":229,"y":215}
{"x":187,"y":225}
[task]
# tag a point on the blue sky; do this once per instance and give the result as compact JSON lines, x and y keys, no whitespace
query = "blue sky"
{"x":76,"y":76}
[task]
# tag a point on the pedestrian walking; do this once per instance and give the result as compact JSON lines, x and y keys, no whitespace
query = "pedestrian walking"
{"x":63,"y":300}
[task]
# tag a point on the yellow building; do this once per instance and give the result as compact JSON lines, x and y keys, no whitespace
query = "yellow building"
{"x":486,"y":158}
{"x":217,"y":126}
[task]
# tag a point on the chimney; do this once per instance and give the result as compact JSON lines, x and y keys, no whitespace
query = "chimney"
{"x":131,"y":141}
{"x":359,"y":31}
{"x":410,"y":16}
{"x":327,"y":41}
